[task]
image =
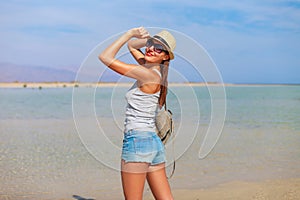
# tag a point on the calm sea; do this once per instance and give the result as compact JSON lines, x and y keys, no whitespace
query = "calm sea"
{"x":42,"y":155}
{"x":247,"y":106}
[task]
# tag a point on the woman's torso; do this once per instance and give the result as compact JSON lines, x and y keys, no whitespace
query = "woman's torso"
{"x":141,"y":109}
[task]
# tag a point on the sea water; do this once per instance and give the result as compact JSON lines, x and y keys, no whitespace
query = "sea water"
{"x":246,"y":106}
{"x":42,"y":155}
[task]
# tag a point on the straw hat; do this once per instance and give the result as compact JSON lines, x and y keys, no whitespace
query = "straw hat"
{"x":168,"y":40}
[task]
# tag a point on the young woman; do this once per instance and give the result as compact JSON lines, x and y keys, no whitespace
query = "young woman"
{"x":143,"y":154}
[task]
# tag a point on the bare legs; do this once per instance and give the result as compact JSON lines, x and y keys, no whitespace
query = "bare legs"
{"x":133,"y":179}
{"x":158,"y":182}
{"x":134,"y":176}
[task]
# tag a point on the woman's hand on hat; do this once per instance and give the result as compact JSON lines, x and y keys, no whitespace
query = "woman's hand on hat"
{"x":140,"y":33}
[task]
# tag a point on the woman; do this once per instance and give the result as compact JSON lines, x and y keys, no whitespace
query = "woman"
{"x":143,"y":154}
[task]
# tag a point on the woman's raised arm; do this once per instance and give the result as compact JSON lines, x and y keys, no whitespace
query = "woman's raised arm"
{"x":108,"y":57}
{"x":134,"y":47}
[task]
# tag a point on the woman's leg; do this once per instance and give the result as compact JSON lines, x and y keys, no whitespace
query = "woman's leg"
{"x":158,"y":182}
{"x":133,"y":179}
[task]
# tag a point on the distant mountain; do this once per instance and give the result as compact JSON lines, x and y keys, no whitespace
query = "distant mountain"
{"x":23,"y":73}
{"x":10,"y":73}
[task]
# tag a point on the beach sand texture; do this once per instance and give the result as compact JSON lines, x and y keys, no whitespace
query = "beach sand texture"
{"x":276,"y":190}
{"x":267,"y":190}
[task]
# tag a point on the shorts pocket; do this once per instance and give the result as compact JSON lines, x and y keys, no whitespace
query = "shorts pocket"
{"x":128,"y":145}
{"x":125,"y":145}
{"x":144,"y":145}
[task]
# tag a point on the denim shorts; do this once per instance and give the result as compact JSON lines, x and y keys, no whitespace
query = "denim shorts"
{"x":143,"y":146}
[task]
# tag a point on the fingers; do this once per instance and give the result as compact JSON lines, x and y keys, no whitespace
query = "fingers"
{"x":144,"y":33}
{"x":140,"y":33}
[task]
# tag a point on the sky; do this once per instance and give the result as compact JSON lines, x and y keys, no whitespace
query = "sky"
{"x":250,"y":41}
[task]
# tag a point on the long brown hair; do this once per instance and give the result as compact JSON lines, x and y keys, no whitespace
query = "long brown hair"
{"x":164,"y":69}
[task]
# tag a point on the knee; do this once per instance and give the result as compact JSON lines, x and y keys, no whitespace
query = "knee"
{"x":170,"y":198}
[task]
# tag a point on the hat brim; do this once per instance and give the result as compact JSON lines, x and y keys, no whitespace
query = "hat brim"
{"x":166,"y":46}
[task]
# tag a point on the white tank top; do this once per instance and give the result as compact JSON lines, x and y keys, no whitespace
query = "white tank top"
{"x":141,"y":109}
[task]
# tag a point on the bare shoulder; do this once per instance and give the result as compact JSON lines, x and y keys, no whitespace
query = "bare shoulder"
{"x":152,"y":83}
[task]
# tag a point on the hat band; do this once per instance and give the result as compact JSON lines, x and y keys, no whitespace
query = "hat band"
{"x":161,"y":39}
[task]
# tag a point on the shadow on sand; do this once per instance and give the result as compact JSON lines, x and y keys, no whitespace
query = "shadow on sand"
{"x":81,"y":198}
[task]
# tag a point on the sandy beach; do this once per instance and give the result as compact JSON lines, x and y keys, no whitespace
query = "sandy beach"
{"x":287,"y":189}
{"x":41,"y":85}
{"x":77,"y":84}
{"x":48,"y":161}
{"x":58,"y":85}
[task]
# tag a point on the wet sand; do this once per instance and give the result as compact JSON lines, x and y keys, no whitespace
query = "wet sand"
{"x":45,"y":159}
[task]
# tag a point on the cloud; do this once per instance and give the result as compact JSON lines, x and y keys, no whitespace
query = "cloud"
{"x":245,"y":15}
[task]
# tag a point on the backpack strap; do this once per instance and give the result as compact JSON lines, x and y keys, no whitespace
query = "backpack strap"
{"x":173,"y":149}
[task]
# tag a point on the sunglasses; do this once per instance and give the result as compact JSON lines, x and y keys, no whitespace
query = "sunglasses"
{"x":158,"y":48}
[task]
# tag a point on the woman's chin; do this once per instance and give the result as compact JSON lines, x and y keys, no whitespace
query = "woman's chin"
{"x":151,"y":59}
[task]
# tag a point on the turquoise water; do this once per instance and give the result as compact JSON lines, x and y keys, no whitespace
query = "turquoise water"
{"x":250,"y":107}
{"x":272,"y":106}
{"x":42,"y":156}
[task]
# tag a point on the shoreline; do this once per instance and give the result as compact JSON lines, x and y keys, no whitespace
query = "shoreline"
{"x":41,"y":85}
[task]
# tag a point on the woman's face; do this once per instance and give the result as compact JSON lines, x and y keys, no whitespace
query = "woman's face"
{"x":155,"y":52}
